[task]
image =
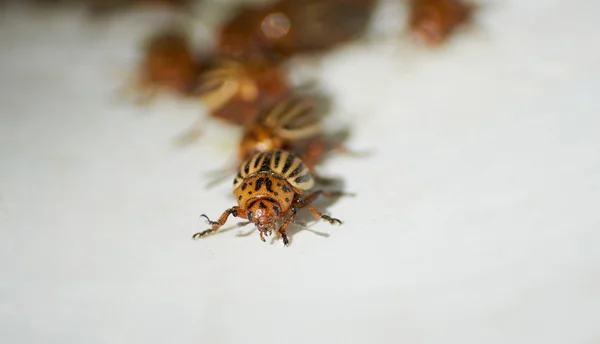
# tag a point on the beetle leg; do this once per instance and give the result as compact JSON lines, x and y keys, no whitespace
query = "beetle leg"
{"x":319,"y":216}
{"x":284,"y":226}
{"x":306,"y":202}
{"x":214,"y":99}
{"x":235,"y":211}
{"x":352,"y":153}
{"x":145,"y":93}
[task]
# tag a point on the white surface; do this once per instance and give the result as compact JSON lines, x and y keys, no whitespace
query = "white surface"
{"x":476,"y":221}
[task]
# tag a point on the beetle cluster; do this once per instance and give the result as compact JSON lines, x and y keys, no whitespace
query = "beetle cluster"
{"x":243,"y":83}
{"x":244,"y":74}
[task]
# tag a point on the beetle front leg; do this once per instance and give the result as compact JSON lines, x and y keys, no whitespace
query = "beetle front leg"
{"x":191,"y":134}
{"x":284,"y":226}
{"x":217,"y":224}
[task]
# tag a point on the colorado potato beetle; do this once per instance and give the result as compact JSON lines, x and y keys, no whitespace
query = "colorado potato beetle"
{"x":269,"y":187}
{"x":432,"y":21}
{"x":287,"y":27}
{"x":169,"y":64}
{"x":291,"y":124}
{"x":236,"y":90}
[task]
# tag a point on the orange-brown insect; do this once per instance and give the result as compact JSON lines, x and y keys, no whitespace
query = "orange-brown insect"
{"x":291,"y":124}
{"x":236,"y":90}
{"x":169,"y":64}
{"x":287,"y":27}
{"x":432,"y":21}
{"x":270,"y":187}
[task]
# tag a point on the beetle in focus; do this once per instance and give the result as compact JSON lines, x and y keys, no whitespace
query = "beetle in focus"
{"x":270,"y":187}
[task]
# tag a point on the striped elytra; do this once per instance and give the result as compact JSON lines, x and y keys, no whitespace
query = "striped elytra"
{"x":222,"y":82}
{"x":280,"y":164}
{"x":235,"y":89}
{"x":285,"y":125}
{"x":294,"y":118}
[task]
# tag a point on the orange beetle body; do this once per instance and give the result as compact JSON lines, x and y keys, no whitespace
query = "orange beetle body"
{"x":433,"y":21}
{"x":269,"y":187}
{"x":287,"y":27}
{"x":169,"y":64}
{"x":291,"y":124}
{"x":236,"y":90}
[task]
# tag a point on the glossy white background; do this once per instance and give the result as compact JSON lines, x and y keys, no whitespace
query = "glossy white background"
{"x":476,"y":219}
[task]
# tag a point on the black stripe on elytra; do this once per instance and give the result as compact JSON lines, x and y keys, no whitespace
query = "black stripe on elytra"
{"x":247,"y":167}
{"x":297,"y":171}
{"x":244,"y":186}
{"x":276,"y":210}
{"x":304,"y":121}
{"x":266,"y":165}
{"x":259,"y":182}
{"x":288,"y":163}
{"x":299,"y":119}
{"x":289,"y":106}
{"x":303,"y":178}
{"x":258,"y":158}
{"x":277,"y":158}
{"x":269,"y":184}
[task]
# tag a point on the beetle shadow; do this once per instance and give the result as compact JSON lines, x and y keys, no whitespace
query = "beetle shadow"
{"x":336,"y":140}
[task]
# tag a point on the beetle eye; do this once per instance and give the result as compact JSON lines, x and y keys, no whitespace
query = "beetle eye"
{"x":250,"y":216}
